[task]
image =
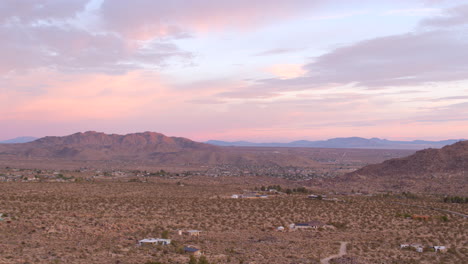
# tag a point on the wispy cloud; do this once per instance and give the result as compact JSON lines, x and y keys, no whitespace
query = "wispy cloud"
{"x":450,"y":98}
{"x":278,"y":51}
{"x":341,"y":15}
{"x":415,"y":12}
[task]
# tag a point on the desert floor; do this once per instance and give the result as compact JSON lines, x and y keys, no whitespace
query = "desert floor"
{"x":101,"y":222}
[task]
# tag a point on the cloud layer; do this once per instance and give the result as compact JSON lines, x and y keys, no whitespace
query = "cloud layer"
{"x":212,"y":69}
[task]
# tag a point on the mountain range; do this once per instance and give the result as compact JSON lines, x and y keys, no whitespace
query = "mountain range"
{"x":144,"y":147}
{"x":18,"y":140}
{"x":443,"y":170}
{"x":348,"y":142}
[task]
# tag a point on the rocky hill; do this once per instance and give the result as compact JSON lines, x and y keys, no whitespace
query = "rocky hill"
{"x":442,"y":170}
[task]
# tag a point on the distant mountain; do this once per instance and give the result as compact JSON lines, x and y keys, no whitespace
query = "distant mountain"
{"x":442,"y":170}
{"x":151,"y":147}
{"x":350,"y":142}
{"x":18,"y":140}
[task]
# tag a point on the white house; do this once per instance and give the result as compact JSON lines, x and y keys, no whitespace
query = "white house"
{"x":441,"y":249}
{"x":154,"y":241}
{"x":404,"y":246}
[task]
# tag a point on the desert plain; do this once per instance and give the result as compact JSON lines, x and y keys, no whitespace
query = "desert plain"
{"x":86,"y":219}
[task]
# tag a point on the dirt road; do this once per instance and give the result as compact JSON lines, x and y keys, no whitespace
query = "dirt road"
{"x":342,"y":252}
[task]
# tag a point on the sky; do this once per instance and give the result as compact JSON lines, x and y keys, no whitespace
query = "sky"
{"x":257,"y":70}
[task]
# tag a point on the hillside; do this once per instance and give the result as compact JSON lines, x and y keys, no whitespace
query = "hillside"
{"x":432,"y":170}
{"x":148,"y":147}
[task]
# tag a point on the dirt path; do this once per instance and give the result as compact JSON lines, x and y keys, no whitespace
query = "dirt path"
{"x":341,"y":253}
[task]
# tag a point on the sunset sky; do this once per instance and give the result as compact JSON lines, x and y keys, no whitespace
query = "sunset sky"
{"x":257,"y":70}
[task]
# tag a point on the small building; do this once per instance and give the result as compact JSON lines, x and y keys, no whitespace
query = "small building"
{"x":418,"y":247}
{"x":441,"y":249}
{"x":316,"y":196}
{"x":192,"y":233}
{"x":235,"y":196}
{"x":154,"y":241}
{"x":192,"y":250}
{"x":403,"y":246}
{"x":280,"y":229}
{"x":311,"y":224}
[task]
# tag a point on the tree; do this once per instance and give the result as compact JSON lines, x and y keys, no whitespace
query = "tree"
{"x":193,"y":260}
{"x":203,"y":260}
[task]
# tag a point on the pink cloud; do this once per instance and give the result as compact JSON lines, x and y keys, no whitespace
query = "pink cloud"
{"x":286,"y":71}
{"x":141,"y":101}
{"x":81,"y":97}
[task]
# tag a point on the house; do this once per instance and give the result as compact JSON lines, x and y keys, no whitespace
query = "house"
{"x":403,"y":246}
{"x":315,"y":196}
{"x":193,"y":250}
{"x":441,"y":249}
{"x":312,"y":224}
{"x":420,"y":217}
{"x":254,"y":196}
{"x":192,"y":232}
{"x":154,"y":241}
{"x":418,"y":247}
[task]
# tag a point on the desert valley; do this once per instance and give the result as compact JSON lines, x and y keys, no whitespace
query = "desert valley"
{"x":93,"y":198}
{"x":233,"y":132}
